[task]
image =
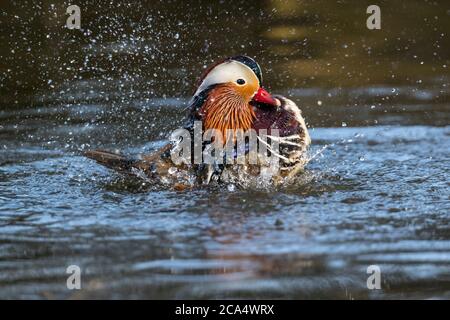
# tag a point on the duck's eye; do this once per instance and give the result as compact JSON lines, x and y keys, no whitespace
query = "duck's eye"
{"x":240,"y":81}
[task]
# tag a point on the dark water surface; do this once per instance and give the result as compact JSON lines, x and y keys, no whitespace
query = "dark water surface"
{"x":377,"y":192}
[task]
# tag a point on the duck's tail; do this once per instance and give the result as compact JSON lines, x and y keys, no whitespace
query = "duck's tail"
{"x":112,"y":160}
{"x":126,"y":164}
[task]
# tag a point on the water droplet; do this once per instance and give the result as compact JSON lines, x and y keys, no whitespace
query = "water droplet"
{"x":344,"y":124}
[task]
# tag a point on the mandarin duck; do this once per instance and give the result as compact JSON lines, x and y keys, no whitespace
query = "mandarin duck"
{"x":229,"y":98}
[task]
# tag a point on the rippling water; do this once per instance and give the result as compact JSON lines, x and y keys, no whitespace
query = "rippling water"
{"x":377,"y":191}
{"x":376,"y":195}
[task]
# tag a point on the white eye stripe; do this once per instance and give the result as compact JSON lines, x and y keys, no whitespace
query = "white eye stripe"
{"x":225,"y":72}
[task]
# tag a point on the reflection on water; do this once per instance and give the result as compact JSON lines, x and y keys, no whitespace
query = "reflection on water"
{"x":377,"y":101}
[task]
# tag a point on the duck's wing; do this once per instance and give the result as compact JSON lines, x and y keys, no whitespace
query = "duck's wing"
{"x":293,"y":136}
{"x":295,"y":145}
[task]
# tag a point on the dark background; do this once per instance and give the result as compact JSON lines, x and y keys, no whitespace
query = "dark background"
{"x":128,"y":53}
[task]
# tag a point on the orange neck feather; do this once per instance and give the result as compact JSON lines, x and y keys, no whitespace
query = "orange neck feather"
{"x":225,"y":109}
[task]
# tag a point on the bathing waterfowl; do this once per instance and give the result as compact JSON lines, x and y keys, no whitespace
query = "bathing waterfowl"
{"x":230,"y":97}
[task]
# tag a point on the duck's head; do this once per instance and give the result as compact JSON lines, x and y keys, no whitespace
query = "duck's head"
{"x":226,"y":93}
